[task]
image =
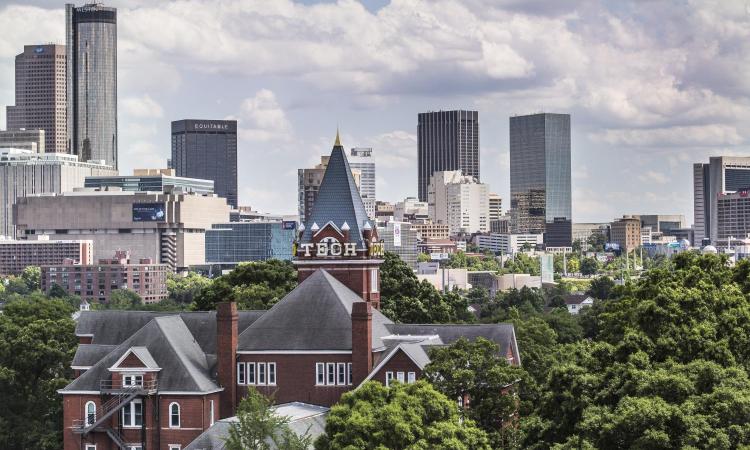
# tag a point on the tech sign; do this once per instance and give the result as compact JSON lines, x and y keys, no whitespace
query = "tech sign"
{"x":329,"y":248}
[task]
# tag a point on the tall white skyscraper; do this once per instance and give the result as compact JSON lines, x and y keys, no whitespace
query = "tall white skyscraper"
{"x":361,"y":159}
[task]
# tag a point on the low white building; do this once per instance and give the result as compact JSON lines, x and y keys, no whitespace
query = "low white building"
{"x":507,"y":243}
{"x":576,"y":302}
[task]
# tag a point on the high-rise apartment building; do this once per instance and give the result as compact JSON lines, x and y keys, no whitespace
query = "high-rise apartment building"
{"x":207,"y":149}
{"x":446,"y":141}
{"x":24,"y":173}
{"x":41,"y":95}
{"x":460,"y":202}
{"x":360,"y":158}
{"x":308,"y":186}
{"x":91,"y":54}
{"x":16,"y":255}
{"x":722,"y":175}
{"x":32,"y":140}
{"x":496,"y":206}
{"x":540,"y":186}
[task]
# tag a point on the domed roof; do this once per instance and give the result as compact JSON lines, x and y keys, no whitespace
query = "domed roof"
{"x":710,"y":249}
{"x":684,"y":244}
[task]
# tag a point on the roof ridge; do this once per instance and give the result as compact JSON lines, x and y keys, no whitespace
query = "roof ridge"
{"x":181,"y":357}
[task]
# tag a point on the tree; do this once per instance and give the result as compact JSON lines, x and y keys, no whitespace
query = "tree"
{"x":32,"y":277}
{"x":601,"y":288}
{"x":56,"y":291}
{"x":183,"y":289}
{"x":123,"y":299}
{"x":413,"y":416}
{"x":522,"y":263}
{"x":37,"y":343}
{"x":478,"y":369}
{"x":597,"y":241}
{"x":259,"y":427}
{"x":253,"y":285}
{"x":589,"y":266}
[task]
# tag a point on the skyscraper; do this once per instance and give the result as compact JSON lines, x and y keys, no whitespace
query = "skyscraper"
{"x":207,"y":149}
{"x":91,"y":38}
{"x":540,"y":173}
{"x":722,"y":175}
{"x":446,"y":140}
{"x":361,"y":159}
{"x":40,"y":95}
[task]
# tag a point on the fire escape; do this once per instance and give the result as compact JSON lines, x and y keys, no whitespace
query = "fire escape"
{"x":120,"y":397}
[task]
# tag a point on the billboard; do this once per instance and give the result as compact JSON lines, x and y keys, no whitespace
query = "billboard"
{"x":149,"y":212}
{"x":288,"y":225}
{"x":397,"y":234}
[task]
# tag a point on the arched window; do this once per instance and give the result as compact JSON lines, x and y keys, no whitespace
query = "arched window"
{"x":90,"y":413}
{"x":174,"y":415}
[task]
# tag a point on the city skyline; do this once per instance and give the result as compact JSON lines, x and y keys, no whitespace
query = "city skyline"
{"x":631,"y":153}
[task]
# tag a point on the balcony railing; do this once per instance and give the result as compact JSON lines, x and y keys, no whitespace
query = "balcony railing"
{"x":146,"y":387}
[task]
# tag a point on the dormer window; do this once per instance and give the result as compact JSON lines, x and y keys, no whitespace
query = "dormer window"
{"x":132,"y":380}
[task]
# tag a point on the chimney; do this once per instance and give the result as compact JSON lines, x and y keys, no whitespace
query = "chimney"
{"x":361,"y":341}
{"x":226,"y":356}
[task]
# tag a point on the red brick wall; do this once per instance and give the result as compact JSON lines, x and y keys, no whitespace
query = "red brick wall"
{"x":226,"y":345}
{"x":400,"y":362}
{"x":131,"y":361}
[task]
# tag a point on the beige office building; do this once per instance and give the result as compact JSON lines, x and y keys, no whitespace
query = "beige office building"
{"x":168,"y":227}
{"x":32,"y":140}
{"x":459,"y":201}
{"x":626,"y":232}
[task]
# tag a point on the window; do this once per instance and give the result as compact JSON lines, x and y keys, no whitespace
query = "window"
{"x":388,"y":378}
{"x":251,"y":373}
{"x":132,"y":380}
{"x":174,"y":415}
{"x":374,"y":280}
{"x":90,"y":446}
{"x":272,"y":373}
{"x":134,"y":447}
{"x":341,"y":369}
{"x":211,"y":411}
{"x":400,"y":377}
{"x":240,"y":373}
{"x":132,"y":414}
{"x":261,"y":373}
{"x":320,"y":374}
{"x":349,"y":371}
{"x":90,"y":413}
{"x":175,"y":446}
{"x":411,"y":377}
{"x":331,"y":373}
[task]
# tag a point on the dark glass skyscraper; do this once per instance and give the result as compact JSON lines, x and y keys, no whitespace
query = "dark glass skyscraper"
{"x":446,"y":140}
{"x":91,"y":54}
{"x":207,"y":149}
{"x":540,"y":174}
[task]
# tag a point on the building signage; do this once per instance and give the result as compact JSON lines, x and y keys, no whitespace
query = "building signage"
{"x":210,"y":126}
{"x":288,"y":225}
{"x":397,"y":234}
{"x":439,"y":256}
{"x":149,"y":212}
{"x":329,"y":249}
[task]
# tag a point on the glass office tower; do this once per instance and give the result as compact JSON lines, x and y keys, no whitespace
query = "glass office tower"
{"x":540,"y":175}
{"x":91,"y":53}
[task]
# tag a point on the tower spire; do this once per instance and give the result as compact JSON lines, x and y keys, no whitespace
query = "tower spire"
{"x":338,"y":140}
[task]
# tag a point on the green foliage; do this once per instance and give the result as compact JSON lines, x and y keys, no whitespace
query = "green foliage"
{"x":478,"y":369}
{"x":589,"y":266}
{"x":32,"y":277}
{"x":523,"y":263}
{"x":37,"y":343}
{"x":403,"y":298}
{"x":596,"y":242}
{"x":460,"y":260}
{"x":259,"y":427}
{"x":404,"y":416}
{"x":122,"y":299}
{"x":253,"y":285}
{"x":183,"y":289}
{"x":601,"y":288}
{"x":29,"y":281}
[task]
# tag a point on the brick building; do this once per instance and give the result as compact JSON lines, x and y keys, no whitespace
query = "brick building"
{"x":95,"y":282}
{"x":159,"y":380}
{"x":17,"y":255}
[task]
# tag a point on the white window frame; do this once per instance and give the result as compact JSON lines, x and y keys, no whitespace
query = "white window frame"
{"x":320,"y":374}
{"x":175,"y":446}
{"x":134,"y":447}
{"x":131,"y":409}
{"x":411,"y":377}
{"x":241,"y":378}
{"x":341,"y":374}
{"x":90,"y":447}
{"x":349,"y":374}
{"x":374,"y":280}
{"x":271,"y":373}
{"x":262,"y":374}
{"x":251,"y":373}
{"x":388,"y":378}
{"x":179,"y":419}
{"x":135,"y":379}
{"x":86,"y":413}
{"x":331,"y":374}
{"x":400,"y":377}
{"x":211,"y":411}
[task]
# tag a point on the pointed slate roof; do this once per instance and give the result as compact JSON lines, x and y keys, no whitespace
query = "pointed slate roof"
{"x":338,"y":200}
{"x":185,"y":367}
{"x":316,"y":315}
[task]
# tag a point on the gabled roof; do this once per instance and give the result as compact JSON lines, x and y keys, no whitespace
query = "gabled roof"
{"x":89,"y":354}
{"x":577,"y":299}
{"x":316,"y":315}
{"x":338,"y":201}
{"x":143,"y":356}
{"x":185,"y":367}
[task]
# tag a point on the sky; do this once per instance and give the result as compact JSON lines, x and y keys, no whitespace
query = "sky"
{"x":651,"y":86}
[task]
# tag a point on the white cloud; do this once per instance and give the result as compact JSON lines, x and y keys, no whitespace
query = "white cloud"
{"x":143,"y":107}
{"x":652,"y":176}
{"x":261,"y":118}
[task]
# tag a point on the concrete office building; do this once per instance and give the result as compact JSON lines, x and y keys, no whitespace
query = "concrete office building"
{"x":460,"y":202}
{"x":583,"y":231}
{"x":207,"y":150}
{"x":721,"y":175}
{"x":496,"y":206}
{"x":91,"y":54}
{"x":167,"y":228}
{"x":410,"y":209}
{"x":16,"y":255}
{"x":431,"y":230}
{"x":236,"y":242}
{"x":446,"y":141}
{"x":663,"y":223}
{"x":626,"y":233}
{"x":31,"y":140}
{"x":360,"y":158}
{"x":95,"y":282}
{"x":41,"y":93}
{"x":540,"y":185}
{"x":732,"y":218}
{"x":152,"y":180}
{"x":401,"y":238}
{"x":308,"y":186}
{"x":508,"y":243}
{"x":500,"y":225}
{"x":25,"y":173}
